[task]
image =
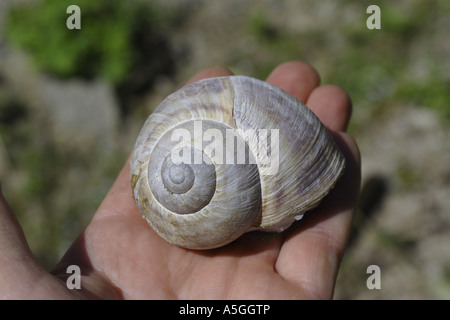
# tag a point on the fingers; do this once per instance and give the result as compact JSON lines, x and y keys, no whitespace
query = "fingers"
{"x":209,"y":73}
{"x":332,"y":105}
{"x":297,"y":78}
{"x":18,"y":268}
{"x":12,"y":239}
{"x":313,"y":249}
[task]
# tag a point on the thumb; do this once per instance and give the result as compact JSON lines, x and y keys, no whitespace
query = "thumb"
{"x":12,"y":239}
{"x":17,"y":265}
{"x":21,"y":275}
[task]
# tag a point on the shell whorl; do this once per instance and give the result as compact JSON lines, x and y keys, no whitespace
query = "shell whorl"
{"x":209,"y":200}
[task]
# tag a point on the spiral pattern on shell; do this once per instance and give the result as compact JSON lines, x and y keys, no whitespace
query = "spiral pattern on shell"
{"x":196,"y":197}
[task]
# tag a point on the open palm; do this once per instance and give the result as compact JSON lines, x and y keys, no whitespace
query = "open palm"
{"x":121,"y":257}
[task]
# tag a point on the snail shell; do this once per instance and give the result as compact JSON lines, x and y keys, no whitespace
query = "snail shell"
{"x":198,"y":189}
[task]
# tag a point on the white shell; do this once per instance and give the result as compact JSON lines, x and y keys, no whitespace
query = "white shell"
{"x":210,"y":204}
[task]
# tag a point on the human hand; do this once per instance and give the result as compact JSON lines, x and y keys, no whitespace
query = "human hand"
{"x":121,"y":257}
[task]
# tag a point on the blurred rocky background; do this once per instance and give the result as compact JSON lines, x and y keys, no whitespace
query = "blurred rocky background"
{"x":73,"y":101}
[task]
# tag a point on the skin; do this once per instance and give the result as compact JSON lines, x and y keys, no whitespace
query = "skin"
{"x":121,"y":257}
